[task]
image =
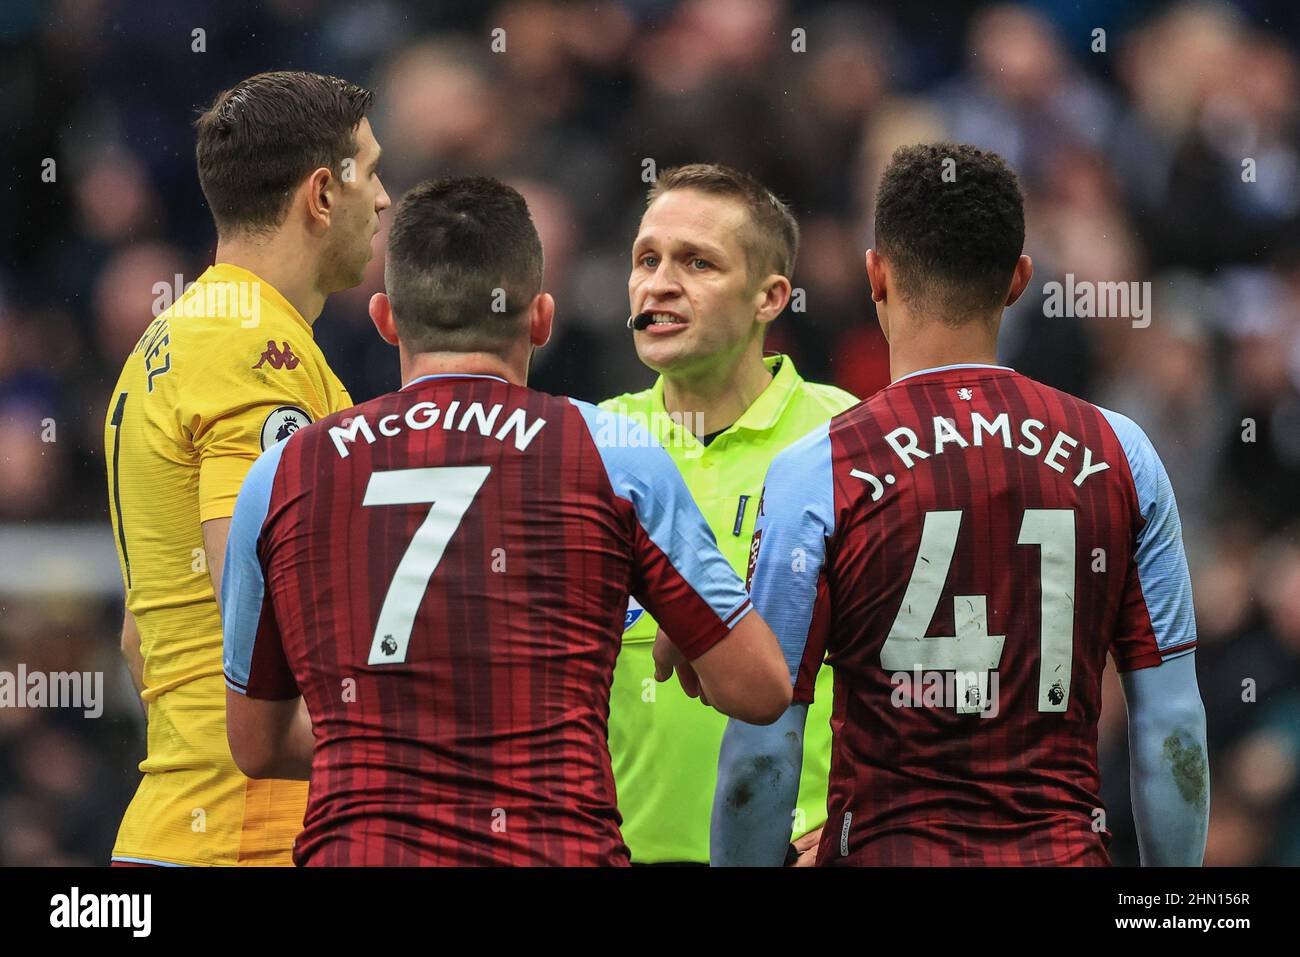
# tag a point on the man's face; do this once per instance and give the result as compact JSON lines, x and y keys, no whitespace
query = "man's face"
{"x":362,"y":200}
{"x":690,"y":272}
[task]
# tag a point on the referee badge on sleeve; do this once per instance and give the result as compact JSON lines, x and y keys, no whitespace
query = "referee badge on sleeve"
{"x":282,"y":423}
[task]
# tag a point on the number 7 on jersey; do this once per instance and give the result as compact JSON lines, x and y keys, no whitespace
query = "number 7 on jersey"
{"x":448,"y":491}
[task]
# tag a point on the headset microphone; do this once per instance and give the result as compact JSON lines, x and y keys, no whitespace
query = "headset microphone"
{"x":640,"y":321}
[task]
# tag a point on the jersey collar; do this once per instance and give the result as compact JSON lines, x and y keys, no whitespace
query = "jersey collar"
{"x":956,"y":365}
{"x":453,"y":375}
{"x":765,"y":411}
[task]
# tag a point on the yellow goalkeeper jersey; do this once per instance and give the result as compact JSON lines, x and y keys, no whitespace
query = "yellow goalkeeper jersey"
{"x":228,"y":370}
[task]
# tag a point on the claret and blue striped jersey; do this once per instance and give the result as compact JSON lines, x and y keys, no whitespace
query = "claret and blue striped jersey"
{"x":441,"y":573}
{"x":966,"y":547}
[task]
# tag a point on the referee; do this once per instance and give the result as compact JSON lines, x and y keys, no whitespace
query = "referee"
{"x":710,"y":270}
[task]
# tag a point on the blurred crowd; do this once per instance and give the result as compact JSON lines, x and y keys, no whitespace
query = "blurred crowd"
{"x":1156,"y":143}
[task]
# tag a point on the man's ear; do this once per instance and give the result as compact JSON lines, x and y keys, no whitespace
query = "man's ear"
{"x":876,"y":271}
{"x":878,"y":277}
{"x":541,"y":319}
{"x":1020,"y":279}
{"x":381,"y":314}
{"x":773,"y":296}
{"x":320,"y":201}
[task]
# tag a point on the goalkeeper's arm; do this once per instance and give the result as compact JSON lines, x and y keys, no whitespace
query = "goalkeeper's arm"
{"x":134,"y":658}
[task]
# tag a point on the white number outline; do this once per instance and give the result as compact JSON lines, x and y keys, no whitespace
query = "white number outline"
{"x":972,"y":650}
{"x":448,"y":490}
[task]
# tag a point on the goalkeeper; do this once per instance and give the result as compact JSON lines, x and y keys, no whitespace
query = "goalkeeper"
{"x":710,"y":271}
{"x":289,"y":166}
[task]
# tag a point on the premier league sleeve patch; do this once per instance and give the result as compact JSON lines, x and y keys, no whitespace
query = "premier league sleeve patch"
{"x":634,"y":611}
{"x":282,"y":423}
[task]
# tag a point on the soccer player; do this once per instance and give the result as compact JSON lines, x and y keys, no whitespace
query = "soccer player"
{"x":711,"y":265}
{"x":288,"y":164}
{"x":966,"y":546}
{"x":441,"y":573}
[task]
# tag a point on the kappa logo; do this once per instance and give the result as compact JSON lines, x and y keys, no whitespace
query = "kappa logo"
{"x":282,"y":423}
{"x":965,"y":394}
{"x":277,"y":357}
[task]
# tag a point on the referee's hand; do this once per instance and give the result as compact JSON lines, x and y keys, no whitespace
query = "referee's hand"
{"x":669,"y":658}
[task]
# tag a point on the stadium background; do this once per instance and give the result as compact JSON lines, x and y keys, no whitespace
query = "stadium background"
{"x":1132,"y":164}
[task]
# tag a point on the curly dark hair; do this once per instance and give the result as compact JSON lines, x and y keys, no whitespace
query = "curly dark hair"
{"x":950,"y":219}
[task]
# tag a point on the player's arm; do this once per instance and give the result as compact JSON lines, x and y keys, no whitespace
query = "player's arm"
{"x":269,"y":739}
{"x":758,"y":786}
{"x":681,"y":577}
{"x":701,"y":604}
{"x":725,"y":676}
{"x":758,"y":768}
{"x":232,"y":417}
{"x":1154,"y":652}
{"x":1167,"y":764}
{"x":267,"y":727}
{"x":216,"y":531}
{"x":134,"y":657}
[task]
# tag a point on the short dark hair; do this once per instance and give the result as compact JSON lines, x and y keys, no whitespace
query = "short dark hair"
{"x":950,"y":218}
{"x":772,"y":244}
{"x":464,"y":262}
{"x":261,"y":137}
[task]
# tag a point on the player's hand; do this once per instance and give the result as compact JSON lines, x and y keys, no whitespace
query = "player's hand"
{"x":669,"y":658}
{"x":807,"y":848}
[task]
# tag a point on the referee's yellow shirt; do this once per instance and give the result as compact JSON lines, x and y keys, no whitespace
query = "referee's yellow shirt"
{"x":229,"y":369}
{"x":664,"y":745}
